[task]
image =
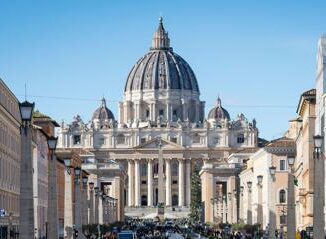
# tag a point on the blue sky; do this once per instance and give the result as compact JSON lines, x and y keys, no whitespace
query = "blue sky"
{"x":259,"y":56}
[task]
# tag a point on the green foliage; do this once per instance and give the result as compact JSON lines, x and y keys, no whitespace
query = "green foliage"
{"x":238,"y":226}
{"x":296,"y":182}
{"x":196,"y":201}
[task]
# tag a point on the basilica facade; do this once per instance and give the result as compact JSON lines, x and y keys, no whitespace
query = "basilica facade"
{"x":161,"y":103}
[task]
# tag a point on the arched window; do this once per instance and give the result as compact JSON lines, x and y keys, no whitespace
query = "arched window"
{"x":240,"y":139}
{"x":144,"y":200}
{"x":175,"y":200}
{"x":282,"y":196}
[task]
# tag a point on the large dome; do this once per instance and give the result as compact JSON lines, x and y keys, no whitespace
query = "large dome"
{"x":161,"y":68}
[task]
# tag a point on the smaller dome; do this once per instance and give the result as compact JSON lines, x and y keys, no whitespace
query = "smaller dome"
{"x":103,"y":113}
{"x":218,"y":112}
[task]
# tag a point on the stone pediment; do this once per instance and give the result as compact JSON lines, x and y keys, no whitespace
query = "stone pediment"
{"x":154,"y":144}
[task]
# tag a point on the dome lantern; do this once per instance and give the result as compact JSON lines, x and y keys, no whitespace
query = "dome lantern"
{"x":161,"y":40}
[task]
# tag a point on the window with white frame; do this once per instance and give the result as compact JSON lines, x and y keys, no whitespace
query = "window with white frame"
{"x":283,"y":165}
{"x":282,"y":196}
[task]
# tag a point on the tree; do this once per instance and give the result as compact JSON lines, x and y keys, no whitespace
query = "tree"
{"x":196,"y":202}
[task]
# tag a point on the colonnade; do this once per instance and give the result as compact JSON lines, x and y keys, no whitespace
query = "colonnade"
{"x":136,"y":188}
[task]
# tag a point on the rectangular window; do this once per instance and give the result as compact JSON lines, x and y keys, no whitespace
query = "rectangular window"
{"x":174,"y":182}
{"x":102,"y":141}
{"x":76,"y":139}
{"x":147,"y":113}
{"x":283,"y":219}
{"x":240,"y":139}
{"x":161,"y":112}
{"x":174,"y":140}
{"x":283,"y":165}
{"x":143,"y":182}
{"x":142,"y":140}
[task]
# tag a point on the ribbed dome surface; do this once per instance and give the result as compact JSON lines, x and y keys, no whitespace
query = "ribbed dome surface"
{"x":103,"y":113}
{"x":161,"y":69}
{"x":218,"y":112}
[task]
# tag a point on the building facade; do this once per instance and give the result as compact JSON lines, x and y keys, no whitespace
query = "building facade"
{"x":161,"y":104}
{"x":40,"y":153}
{"x":43,"y":127}
{"x":302,"y":131}
{"x":267,"y":200}
{"x":10,"y":158}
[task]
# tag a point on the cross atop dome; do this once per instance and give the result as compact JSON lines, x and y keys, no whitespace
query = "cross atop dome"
{"x":219,"y":103}
{"x":103,"y":102}
{"x":161,"y":40}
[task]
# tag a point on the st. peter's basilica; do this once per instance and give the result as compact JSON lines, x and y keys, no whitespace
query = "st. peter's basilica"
{"x":161,"y":103}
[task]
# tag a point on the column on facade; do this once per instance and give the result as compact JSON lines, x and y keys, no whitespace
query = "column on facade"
{"x":130,"y":183}
{"x":150,"y":182}
{"x":234,"y":208}
{"x":241,"y":205}
{"x":197,"y":111}
{"x":100,"y":211}
{"x":168,"y":112}
{"x":181,"y":183}
{"x":68,"y":207}
{"x":188,"y":182}
{"x":154,"y":112}
{"x":184,"y":110}
{"x":137,"y":183}
{"x":168,"y":190}
{"x":224,"y":219}
{"x":125,"y":111}
{"x":229,"y":206}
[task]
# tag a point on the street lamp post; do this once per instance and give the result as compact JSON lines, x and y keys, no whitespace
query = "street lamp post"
{"x":26,"y":212}
{"x":68,"y":205}
{"x":84,"y":201}
{"x":78,"y":209}
{"x":97,"y":196}
{"x":272,"y":218}
{"x":291,"y":228}
{"x":319,"y":188}
{"x":260,"y":199}
{"x":249,"y":208}
{"x":241,"y":203}
{"x":52,"y":191}
{"x":91,"y":203}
